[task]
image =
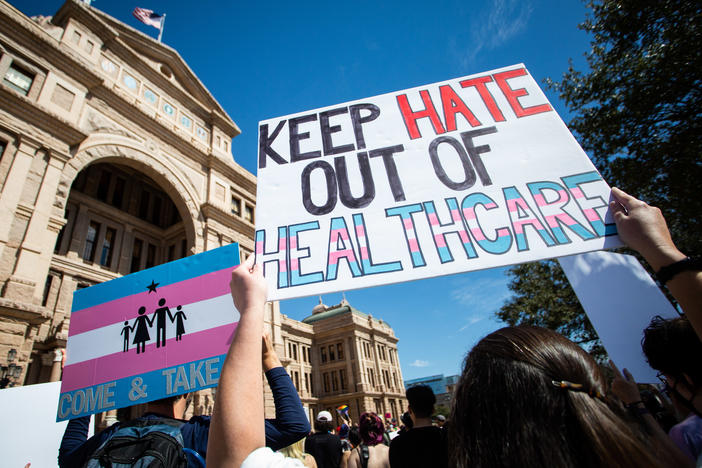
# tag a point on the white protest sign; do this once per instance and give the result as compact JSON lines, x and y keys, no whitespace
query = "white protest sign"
{"x":467,"y":174}
{"x":30,"y":433}
{"x":620,"y":299}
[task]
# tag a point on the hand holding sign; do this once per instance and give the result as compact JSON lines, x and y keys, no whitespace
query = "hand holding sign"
{"x":624,"y":386}
{"x":643,"y":228}
{"x":249,"y":289}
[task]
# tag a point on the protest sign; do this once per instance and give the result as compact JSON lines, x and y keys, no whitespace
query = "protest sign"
{"x":467,"y":174}
{"x":29,"y":433}
{"x":620,"y":299}
{"x":156,"y":333}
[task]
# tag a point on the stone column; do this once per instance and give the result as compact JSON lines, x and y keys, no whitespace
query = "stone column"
{"x":14,"y":184}
{"x":359,"y":366}
{"x":110,"y":417}
{"x":37,"y":247}
{"x":55,"y":375}
{"x":80,"y":227}
{"x":125,"y":253}
{"x":349,"y":368}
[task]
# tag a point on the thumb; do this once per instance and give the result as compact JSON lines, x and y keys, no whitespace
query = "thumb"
{"x":622,"y":197}
{"x":628,"y":375}
{"x":615,"y":369}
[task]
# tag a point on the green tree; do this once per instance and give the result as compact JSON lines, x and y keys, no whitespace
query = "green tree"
{"x":638,"y":112}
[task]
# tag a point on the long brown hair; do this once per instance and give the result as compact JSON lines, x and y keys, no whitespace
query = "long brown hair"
{"x":510,"y":409}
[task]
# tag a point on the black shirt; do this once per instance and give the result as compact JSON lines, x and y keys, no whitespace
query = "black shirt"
{"x":325,"y":448}
{"x":420,"y":447}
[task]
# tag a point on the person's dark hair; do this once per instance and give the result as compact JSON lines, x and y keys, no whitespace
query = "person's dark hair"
{"x":672,"y":347}
{"x":511,"y":410}
{"x":354,"y":436}
{"x":407,"y":420}
{"x":421,"y":399}
{"x":371,"y":429}
{"x":323,"y":426}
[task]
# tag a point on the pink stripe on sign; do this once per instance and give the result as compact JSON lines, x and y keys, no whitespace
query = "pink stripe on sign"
{"x":407,"y":223}
{"x":126,"y":308}
{"x":433,"y":220}
{"x":591,"y":215}
{"x":512,"y":205}
{"x":478,"y":234}
{"x":335,"y":256}
{"x":414,"y":247}
{"x":439,"y":240}
{"x":293,"y":243}
{"x":469,"y":213}
{"x":577,"y":193}
{"x":282,"y":244}
{"x":193,"y":347}
{"x":294,"y":264}
{"x":565,"y":219}
{"x":259,"y":248}
{"x":282,"y":266}
{"x":540,"y":200}
{"x":364,"y":253}
{"x":343,"y":233}
{"x":551,"y":221}
{"x":360,"y":232}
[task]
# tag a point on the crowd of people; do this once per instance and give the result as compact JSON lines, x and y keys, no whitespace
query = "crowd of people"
{"x":527,"y":396}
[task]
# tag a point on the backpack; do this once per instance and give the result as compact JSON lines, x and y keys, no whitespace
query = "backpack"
{"x":142,"y":443}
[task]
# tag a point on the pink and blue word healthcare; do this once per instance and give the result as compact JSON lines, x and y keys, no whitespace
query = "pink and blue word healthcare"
{"x":156,"y":333}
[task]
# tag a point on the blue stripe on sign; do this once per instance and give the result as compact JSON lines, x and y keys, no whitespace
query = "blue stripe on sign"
{"x":154,"y":385}
{"x":173,"y":272}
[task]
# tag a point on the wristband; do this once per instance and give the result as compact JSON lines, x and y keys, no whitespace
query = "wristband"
{"x":687,"y":264}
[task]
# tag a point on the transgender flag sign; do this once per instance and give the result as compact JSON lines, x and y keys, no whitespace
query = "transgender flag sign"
{"x":156,"y":333}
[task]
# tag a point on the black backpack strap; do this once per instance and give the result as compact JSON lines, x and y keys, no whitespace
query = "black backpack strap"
{"x":365,"y":455}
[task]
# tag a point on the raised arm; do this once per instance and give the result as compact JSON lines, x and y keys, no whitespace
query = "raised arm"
{"x":290,"y":423}
{"x":624,"y":387}
{"x":643,"y":228}
{"x":237,"y":427}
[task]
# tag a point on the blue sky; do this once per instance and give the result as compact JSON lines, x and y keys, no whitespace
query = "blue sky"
{"x":266,"y":59}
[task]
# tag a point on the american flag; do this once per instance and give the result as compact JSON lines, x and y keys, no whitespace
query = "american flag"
{"x":148,"y":17}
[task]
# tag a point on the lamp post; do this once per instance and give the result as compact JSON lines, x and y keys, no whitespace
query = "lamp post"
{"x":11,"y":372}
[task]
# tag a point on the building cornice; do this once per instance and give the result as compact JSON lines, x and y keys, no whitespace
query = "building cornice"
{"x":124,"y":41}
{"x":236,"y":173}
{"x":82,"y":270}
{"x":212,"y":211}
{"x":21,"y":310}
{"x":27,"y":110}
{"x":37,"y":41}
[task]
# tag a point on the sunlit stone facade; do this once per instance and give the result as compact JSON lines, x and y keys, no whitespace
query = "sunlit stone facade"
{"x":114,"y":157}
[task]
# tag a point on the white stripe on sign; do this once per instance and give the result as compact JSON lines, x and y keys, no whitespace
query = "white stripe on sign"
{"x":201,"y":316}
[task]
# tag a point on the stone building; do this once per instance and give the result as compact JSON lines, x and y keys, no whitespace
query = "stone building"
{"x":114,"y":157}
{"x":342,"y":356}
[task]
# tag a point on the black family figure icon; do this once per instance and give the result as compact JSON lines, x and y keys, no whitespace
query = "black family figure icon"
{"x":125,"y":331}
{"x":141,"y":335}
{"x":160,"y":316}
{"x":180,"y":326}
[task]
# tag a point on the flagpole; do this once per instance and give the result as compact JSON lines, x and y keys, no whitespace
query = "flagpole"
{"x":160,"y":31}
